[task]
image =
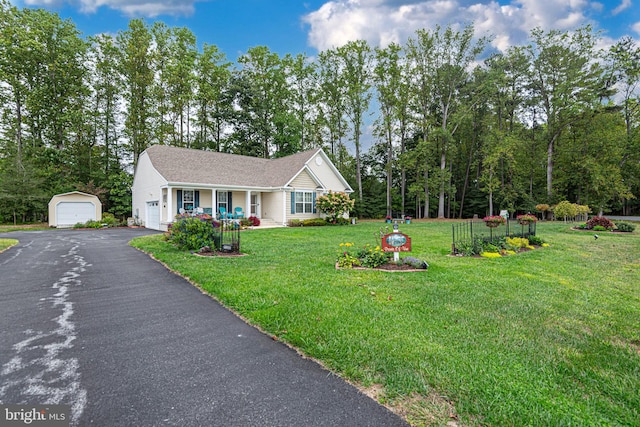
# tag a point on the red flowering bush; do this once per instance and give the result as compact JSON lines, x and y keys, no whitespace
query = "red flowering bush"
{"x":601,"y":221}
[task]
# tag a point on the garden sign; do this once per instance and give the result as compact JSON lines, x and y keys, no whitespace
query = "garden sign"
{"x":396,"y":242}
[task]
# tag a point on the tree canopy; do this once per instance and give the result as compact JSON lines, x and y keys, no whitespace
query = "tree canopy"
{"x":438,"y":124}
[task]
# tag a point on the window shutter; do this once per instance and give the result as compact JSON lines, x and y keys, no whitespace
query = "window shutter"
{"x":196,"y":199}
{"x":229,"y":202}
{"x":179,"y":201}
{"x":293,"y":202}
{"x":314,"y":201}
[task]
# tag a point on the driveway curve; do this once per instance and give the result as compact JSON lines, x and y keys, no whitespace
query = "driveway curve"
{"x":88,"y":321}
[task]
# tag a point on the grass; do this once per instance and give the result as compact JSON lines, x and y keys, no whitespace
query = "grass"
{"x":545,"y":337}
{"x":7,"y":243}
{"x":23,"y":227}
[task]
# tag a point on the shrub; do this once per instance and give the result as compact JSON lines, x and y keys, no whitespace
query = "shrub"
{"x":516,"y":243}
{"x":373,"y":257}
{"x":600,"y":221}
{"x":192,"y":233}
{"x":599,"y":228}
{"x":470,"y":247}
{"x":490,"y":254}
{"x":295,"y":223}
{"x":255,"y":221}
{"x":314,"y":222}
{"x":535,"y":240}
{"x":625,"y":227}
{"x":109,"y":220}
{"x":335,"y":205}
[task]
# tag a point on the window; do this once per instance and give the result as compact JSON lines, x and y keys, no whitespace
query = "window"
{"x":304,"y":202}
{"x":223,"y":200}
{"x":188,"y":199}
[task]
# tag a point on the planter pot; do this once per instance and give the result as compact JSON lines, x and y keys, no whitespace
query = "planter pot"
{"x":492,"y":224}
{"x":407,"y":221}
{"x":388,"y":221}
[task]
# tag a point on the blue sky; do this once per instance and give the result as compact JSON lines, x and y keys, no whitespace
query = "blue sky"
{"x":288,"y":26}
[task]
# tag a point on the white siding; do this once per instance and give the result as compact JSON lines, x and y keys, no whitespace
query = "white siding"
{"x":74,"y":199}
{"x":146,"y":187}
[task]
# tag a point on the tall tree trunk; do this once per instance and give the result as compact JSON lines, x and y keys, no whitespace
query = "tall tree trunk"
{"x":443,"y":168}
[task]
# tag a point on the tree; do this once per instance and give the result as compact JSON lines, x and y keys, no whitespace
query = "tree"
{"x":331,"y":99}
{"x":213,"y":77}
{"x":565,"y":81}
{"x":265,"y":99}
{"x":107,"y":86}
{"x":356,"y":60}
{"x":302,"y":78}
{"x":180,"y":72}
{"x":136,"y":69}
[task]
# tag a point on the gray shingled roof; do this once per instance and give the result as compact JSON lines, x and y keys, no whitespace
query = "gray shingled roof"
{"x":221,"y":169}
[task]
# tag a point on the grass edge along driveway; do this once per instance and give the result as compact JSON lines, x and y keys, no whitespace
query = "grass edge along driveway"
{"x":7,"y":243}
{"x":545,"y":337}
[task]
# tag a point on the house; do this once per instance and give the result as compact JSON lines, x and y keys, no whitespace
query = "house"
{"x":69,"y":209}
{"x":171,"y":180}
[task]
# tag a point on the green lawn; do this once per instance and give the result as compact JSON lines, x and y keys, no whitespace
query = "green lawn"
{"x":546,"y":337}
{"x":7,"y":243}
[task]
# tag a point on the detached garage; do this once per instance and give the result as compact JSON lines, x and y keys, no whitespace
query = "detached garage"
{"x":68,"y":209}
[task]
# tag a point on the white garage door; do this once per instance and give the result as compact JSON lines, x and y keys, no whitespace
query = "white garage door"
{"x":153,"y":215}
{"x":71,"y":213}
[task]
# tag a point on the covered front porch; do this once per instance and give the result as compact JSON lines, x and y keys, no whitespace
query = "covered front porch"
{"x":220,"y":203}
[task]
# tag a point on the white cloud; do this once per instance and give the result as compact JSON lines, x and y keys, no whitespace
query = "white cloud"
{"x":636,"y":27}
{"x":145,"y":8}
{"x":382,"y":21}
{"x":625,"y":4}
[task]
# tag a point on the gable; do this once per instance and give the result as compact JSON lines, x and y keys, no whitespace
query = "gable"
{"x":304,"y":180}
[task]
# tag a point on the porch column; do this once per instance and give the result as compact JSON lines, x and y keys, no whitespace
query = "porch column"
{"x":284,"y":207}
{"x":169,"y":205}
{"x":214,"y":204}
{"x":247,"y":205}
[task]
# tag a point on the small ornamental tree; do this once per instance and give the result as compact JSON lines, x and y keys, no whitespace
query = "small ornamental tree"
{"x":565,"y":209}
{"x":335,"y":205}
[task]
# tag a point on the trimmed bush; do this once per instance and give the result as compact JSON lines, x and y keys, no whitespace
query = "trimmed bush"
{"x":625,"y":227}
{"x":314,"y":222}
{"x":600,"y":221}
{"x":192,"y":233}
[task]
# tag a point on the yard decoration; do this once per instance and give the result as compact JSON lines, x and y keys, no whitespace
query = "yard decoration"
{"x":526,"y":219}
{"x":494,"y":221}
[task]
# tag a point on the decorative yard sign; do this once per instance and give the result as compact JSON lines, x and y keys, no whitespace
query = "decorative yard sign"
{"x":396,"y":242}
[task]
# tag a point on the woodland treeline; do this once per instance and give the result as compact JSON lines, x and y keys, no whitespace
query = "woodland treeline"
{"x":457,"y":130}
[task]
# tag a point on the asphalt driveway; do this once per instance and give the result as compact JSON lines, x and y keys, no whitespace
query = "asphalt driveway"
{"x":88,"y":321}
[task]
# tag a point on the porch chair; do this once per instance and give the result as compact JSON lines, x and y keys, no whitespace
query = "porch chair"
{"x":237,"y":213}
{"x":223,"y":214}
